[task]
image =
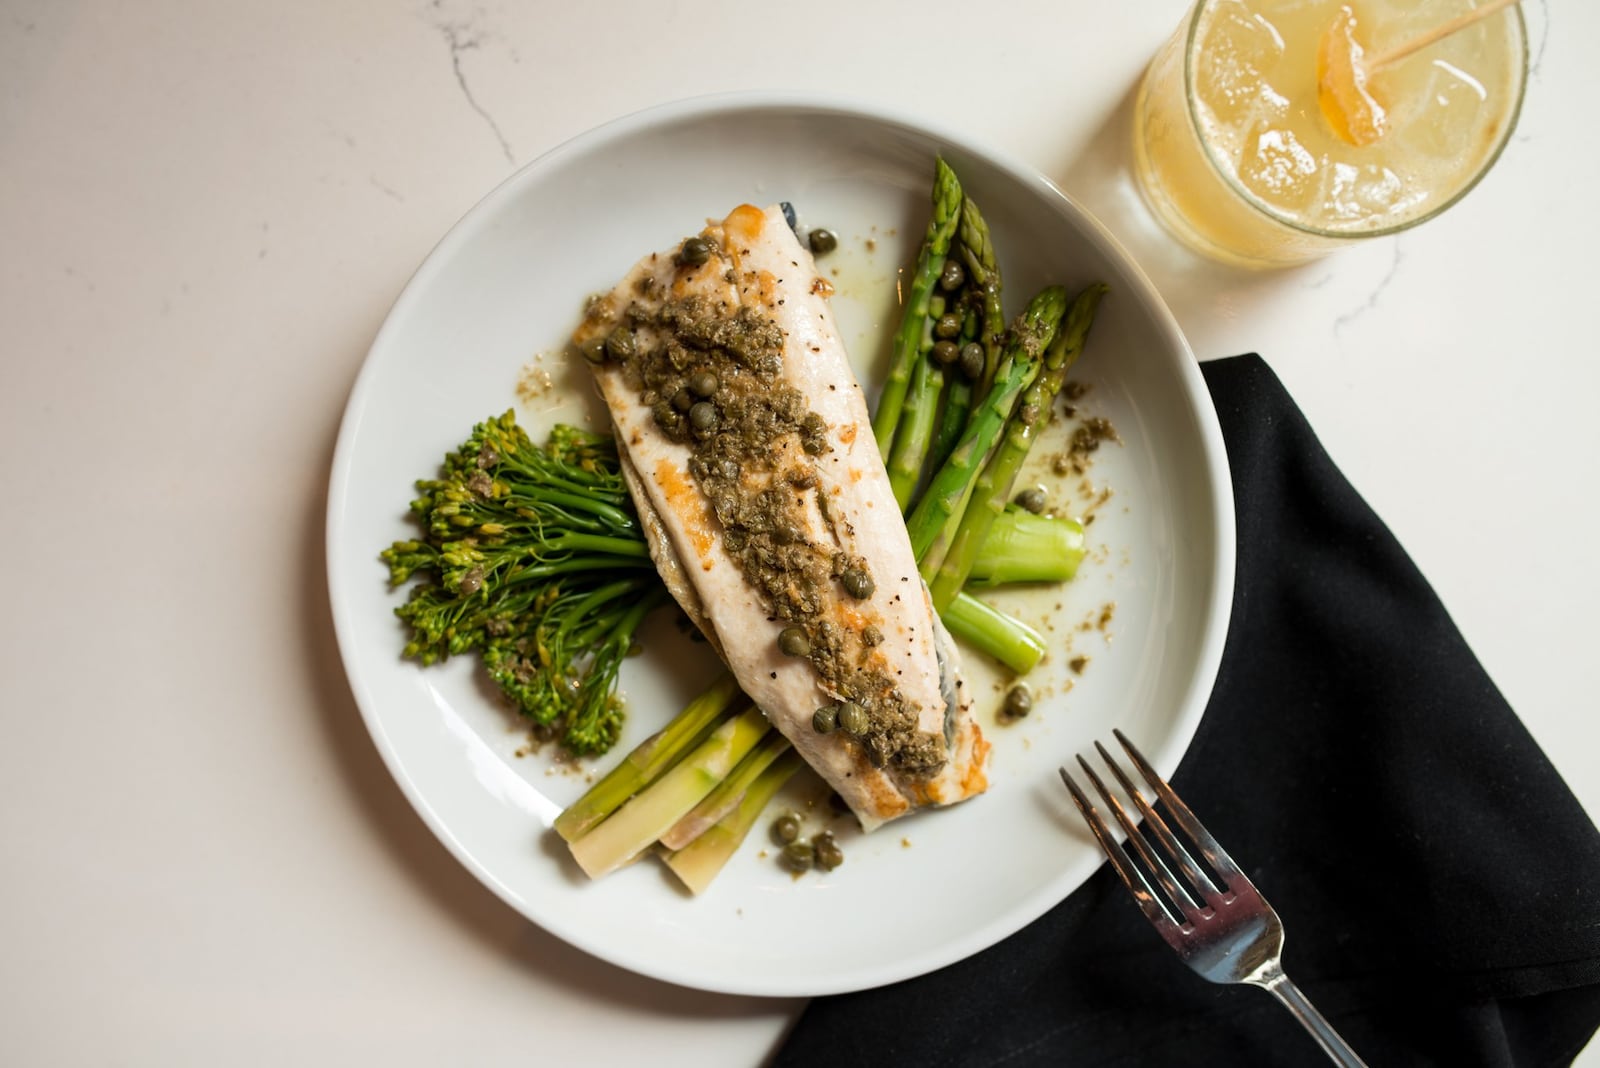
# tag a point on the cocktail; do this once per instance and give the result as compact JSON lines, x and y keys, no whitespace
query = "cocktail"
{"x":1242,"y":157}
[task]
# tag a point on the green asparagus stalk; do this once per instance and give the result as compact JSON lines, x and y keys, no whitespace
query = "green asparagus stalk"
{"x":943,"y":503}
{"x":1023,"y":547}
{"x":999,"y":474}
{"x":632,"y":828}
{"x":983,"y":321}
{"x":726,"y":797}
{"x":946,"y":217}
{"x":698,"y":863}
{"x":958,"y":388}
{"x":648,"y":760}
{"x":983,"y":275}
{"x":914,"y":435}
{"x":987,"y":629}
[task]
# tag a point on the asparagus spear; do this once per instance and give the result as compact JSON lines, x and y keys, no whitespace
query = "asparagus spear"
{"x":699,"y":862}
{"x":914,"y":321}
{"x":993,"y":486}
{"x":726,"y":797}
{"x":987,"y":629}
{"x":915,"y":433}
{"x":983,"y":274}
{"x":944,"y":502}
{"x":648,"y":760}
{"x":647,"y":816}
{"x":984,"y":322}
{"x":959,"y":385}
{"x":1023,"y":547}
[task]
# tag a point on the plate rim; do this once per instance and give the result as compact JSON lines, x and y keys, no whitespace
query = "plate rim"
{"x":1217,"y":613}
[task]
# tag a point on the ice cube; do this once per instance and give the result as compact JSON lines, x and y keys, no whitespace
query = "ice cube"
{"x":1278,"y":168}
{"x":1237,"y":51}
{"x":1377,"y":189}
{"x":1441,"y":121}
{"x":1362,"y":195}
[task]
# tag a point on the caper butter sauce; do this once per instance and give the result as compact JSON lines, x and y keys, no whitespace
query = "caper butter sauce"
{"x":751,"y":457}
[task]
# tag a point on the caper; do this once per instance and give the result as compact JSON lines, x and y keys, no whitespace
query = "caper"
{"x":853,"y":719}
{"x":945,"y":352}
{"x":947,"y":325}
{"x":703,"y":416}
{"x":953,"y":276}
{"x":822,"y":241}
{"x":683,"y":400}
{"x":972,"y":360}
{"x":826,"y":852}
{"x":703,"y":383}
{"x":695,"y":251}
{"x":799,"y":856}
{"x":1019,"y":701}
{"x":620,"y":344}
{"x":825,"y":720}
{"x":786,"y":828}
{"x":857,"y":583}
{"x":871,"y":636}
{"x":1032,"y":500}
{"x":594,"y":350}
{"x":793,"y":641}
{"x":814,"y":434}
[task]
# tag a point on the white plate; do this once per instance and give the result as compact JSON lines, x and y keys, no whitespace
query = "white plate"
{"x":503,"y":289}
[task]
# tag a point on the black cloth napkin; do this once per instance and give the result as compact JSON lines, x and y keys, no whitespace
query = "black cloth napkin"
{"x":1439,"y":884}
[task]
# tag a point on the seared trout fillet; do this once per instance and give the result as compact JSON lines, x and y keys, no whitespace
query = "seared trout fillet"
{"x":770,"y":513}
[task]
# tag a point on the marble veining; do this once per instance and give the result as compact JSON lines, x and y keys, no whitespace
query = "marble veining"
{"x":1376,"y":295}
{"x":462,"y":36}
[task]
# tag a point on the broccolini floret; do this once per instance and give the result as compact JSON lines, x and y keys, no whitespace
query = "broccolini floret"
{"x":534,"y":557}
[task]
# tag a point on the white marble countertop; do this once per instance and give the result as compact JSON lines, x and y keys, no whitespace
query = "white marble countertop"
{"x":207,"y":210}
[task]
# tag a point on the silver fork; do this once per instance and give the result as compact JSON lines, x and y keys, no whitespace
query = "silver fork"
{"x":1229,"y":934}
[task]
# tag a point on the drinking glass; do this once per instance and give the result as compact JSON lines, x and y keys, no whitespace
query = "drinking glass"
{"x":1233,"y":154}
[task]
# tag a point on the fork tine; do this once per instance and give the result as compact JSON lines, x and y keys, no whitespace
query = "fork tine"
{"x":1183,"y":900}
{"x":1198,"y":879}
{"x":1210,"y":848}
{"x":1131,"y":876}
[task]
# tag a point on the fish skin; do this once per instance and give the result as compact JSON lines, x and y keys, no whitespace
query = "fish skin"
{"x":758,"y":261}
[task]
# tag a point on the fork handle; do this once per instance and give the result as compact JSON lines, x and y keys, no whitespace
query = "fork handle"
{"x":1278,"y":985}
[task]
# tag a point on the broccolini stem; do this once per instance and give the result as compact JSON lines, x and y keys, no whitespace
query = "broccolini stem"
{"x":611,"y":517}
{"x":595,"y":724}
{"x":576,"y":619}
{"x":578,"y":565}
